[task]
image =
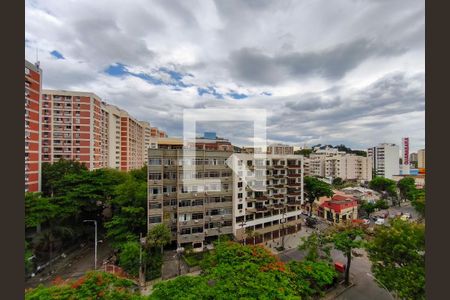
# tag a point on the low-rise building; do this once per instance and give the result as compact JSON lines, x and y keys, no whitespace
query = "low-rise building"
{"x":340,"y":209}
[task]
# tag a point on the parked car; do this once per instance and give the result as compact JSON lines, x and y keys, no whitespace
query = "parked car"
{"x":380,"y":221}
{"x":311,"y":222}
{"x":366,"y":221}
{"x":405,"y":217}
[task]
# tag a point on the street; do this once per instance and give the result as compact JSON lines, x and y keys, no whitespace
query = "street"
{"x":73,"y":265}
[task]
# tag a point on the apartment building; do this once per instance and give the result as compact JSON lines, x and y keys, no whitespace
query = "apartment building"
{"x":280,"y":149}
{"x":132,"y":145}
{"x":33,"y":87}
{"x":421,"y":159}
{"x":348,"y":167}
{"x":147,"y":137}
{"x":111,"y":135}
{"x":274,"y":208}
{"x":189,"y":192}
{"x":385,"y":160}
{"x":72,"y":127}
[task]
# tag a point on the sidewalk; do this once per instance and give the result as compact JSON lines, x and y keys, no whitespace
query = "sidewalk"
{"x":291,"y":241}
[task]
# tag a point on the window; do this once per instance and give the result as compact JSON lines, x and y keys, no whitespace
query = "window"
{"x":197,"y":229}
{"x":197,"y":216}
{"x":239,"y":184}
{"x":239,"y":206}
{"x":154,"y":161}
{"x":185,"y":231}
{"x":154,"y":176}
{"x":184,"y":203}
{"x":240,"y":195}
{"x":154,"y":219}
{"x":197,"y":202}
{"x":155,"y":205}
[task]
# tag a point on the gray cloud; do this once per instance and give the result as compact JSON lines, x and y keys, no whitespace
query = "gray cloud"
{"x":252,"y":66}
{"x":342,"y":71}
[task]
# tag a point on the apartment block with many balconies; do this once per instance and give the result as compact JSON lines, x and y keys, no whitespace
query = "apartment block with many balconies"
{"x":273,"y":209}
{"x":71,"y":128}
{"x":132,"y":144}
{"x":33,"y":86}
{"x":190,"y":192}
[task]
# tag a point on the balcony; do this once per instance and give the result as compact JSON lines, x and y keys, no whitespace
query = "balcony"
{"x":293,"y":166}
{"x":294,"y":175}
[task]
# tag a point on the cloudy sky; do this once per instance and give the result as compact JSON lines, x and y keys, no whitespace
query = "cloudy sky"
{"x":330,"y":72}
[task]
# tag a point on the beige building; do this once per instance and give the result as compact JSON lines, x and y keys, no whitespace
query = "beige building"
{"x":421,"y":158}
{"x":280,"y":149}
{"x":274,"y":208}
{"x":191,"y":194}
{"x":147,"y":136}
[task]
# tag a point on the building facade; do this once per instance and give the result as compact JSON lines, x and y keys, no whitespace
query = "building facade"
{"x":265,"y":214}
{"x":71,"y":128}
{"x":33,"y":87}
{"x":421,"y":159}
{"x":132,"y":144}
{"x":190,"y":193}
{"x":385,"y":160}
{"x":280,"y":149}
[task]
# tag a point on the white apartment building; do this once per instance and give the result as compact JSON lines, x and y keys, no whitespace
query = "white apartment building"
{"x":385,"y":160}
{"x":273,"y":211}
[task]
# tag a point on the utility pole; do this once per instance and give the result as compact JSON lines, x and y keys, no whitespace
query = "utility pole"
{"x":95,"y":248}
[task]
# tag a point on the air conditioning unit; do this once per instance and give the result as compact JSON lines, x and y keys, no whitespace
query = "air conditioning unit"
{"x":196,"y":221}
{"x":195,"y":195}
{"x":167,"y":194}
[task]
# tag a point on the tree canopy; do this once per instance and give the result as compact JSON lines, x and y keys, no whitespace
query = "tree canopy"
{"x":314,"y":189}
{"x":397,"y":254}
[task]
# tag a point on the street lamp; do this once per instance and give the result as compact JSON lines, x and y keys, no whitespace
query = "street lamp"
{"x":384,"y":287}
{"x":95,"y":248}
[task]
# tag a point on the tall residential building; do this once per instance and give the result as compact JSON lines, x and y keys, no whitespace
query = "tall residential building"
{"x":280,"y":149}
{"x":33,"y":86}
{"x":273,"y":211}
{"x":131,"y":142}
{"x":385,"y":160}
{"x":71,"y":128}
{"x":147,"y":138}
{"x":111,"y":115}
{"x":413,"y":158}
{"x":421,"y":159}
{"x":191,"y":194}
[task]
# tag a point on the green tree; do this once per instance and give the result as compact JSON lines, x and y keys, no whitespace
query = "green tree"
{"x":387,"y":187}
{"x":381,"y":204}
{"x":129,"y":207}
{"x":311,"y":278}
{"x":39,"y":210}
{"x":367,"y":207}
{"x":418,"y":201}
{"x":314,"y":189}
{"x":304,"y":152}
{"x":158,"y":236}
{"x":345,"y":239}
{"x":397,"y":253}
{"x":406,"y":186}
{"x":129,"y":257}
{"x":52,"y":174}
{"x":317,"y":247}
{"x":337,"y":182}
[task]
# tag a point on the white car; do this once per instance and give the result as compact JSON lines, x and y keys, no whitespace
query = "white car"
{"x":380,"y":221}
